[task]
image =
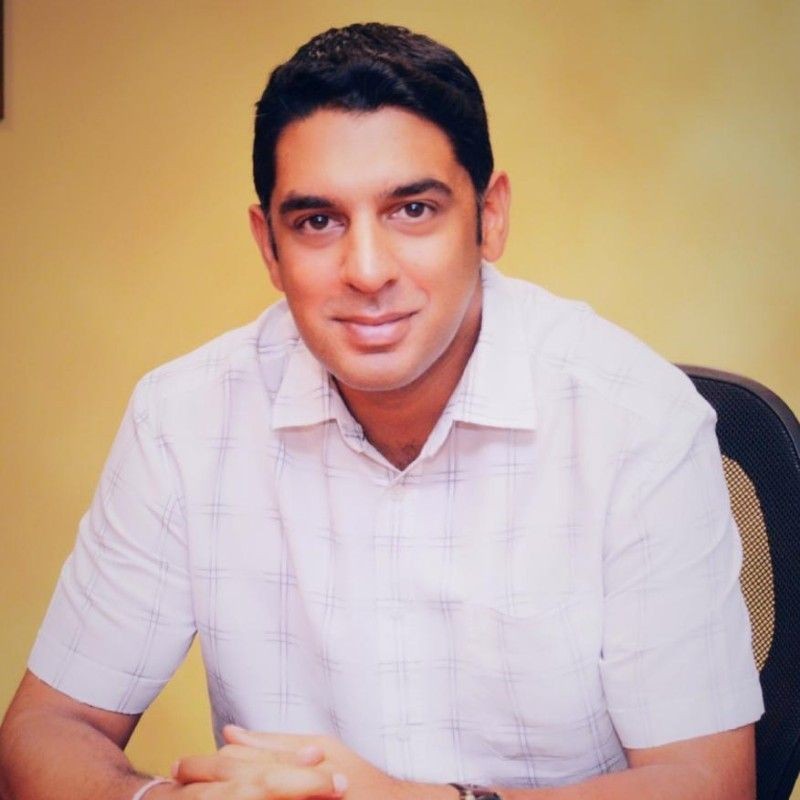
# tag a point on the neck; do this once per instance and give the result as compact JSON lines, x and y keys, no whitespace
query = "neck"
{"x":398,"y":422}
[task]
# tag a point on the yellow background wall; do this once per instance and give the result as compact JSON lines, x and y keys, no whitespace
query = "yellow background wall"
{"x":654,"y":149}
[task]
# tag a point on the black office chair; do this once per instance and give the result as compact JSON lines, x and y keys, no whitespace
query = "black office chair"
{"x":760,"y":441}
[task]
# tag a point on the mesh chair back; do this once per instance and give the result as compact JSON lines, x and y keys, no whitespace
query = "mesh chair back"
{"x":760,"y":441}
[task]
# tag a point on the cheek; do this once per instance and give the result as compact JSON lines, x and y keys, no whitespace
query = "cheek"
{"x":307,"y":284}
{"x":304,"y":303}
{"x":435,"y":247}
{"x":441,"y":265}
{"x":307,"y":270}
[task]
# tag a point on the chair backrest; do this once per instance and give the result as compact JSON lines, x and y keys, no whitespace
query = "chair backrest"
{"x":760,"y":441}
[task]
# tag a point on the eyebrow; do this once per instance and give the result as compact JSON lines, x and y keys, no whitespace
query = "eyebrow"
{"x":420,"y":187}
{"x":303,"y":202}
{"x":307,"y":202}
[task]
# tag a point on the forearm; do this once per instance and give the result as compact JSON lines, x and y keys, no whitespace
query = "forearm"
{"x":49,"y":757}
{"x":656,"y":782}
{"x":718,"y":766}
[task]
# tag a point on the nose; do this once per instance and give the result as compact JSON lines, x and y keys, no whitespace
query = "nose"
{"x":368,"y":264}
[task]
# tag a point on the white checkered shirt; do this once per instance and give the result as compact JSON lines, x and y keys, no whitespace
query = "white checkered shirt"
{"x":553,"y":578}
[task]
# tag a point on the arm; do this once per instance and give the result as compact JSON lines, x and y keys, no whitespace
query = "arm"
{"x":52,"y":747}
{"x":720,"y":766}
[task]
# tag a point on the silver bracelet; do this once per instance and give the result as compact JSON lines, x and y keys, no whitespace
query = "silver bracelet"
{"x":143,"y":790}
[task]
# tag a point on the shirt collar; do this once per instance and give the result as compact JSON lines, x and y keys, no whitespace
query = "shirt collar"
{"x":306,"y":395}
{"x":496,"y":389}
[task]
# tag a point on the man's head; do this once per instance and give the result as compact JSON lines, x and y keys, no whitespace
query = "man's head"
{"x":371,"y":159}
{"x":365,"y":67}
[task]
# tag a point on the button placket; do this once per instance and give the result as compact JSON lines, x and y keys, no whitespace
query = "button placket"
{"x":393,"y":653}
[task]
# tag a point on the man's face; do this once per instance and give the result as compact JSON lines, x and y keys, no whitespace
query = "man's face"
{"x":376,"y":249}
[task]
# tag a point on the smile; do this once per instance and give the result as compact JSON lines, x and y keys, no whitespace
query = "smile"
{"x":371,"y":332}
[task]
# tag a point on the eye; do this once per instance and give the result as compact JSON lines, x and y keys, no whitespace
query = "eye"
{"x":316,"y":222}
{"x":414,"y":210}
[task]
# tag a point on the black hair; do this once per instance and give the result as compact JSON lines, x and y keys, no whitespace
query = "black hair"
{"x":364,"y":67}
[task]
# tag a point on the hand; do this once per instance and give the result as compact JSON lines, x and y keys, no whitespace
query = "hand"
{"x":364,"y":779}
{"x":241,"y":772}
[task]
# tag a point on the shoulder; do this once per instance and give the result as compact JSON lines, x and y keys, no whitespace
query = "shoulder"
{"x":245,"y":361}
{"x":574,"y":350}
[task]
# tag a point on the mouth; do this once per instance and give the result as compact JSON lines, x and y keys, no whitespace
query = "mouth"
{"x":379,"y":331}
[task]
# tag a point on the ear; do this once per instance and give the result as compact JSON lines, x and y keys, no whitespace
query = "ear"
{"x":494,"y":216}
{"x":260,"y":228}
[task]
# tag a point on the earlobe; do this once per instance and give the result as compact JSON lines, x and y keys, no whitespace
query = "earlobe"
{"x":262,"y":234}
{"x":494,"y":216}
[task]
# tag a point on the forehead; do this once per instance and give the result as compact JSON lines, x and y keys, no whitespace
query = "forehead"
{"x":343,"y":153}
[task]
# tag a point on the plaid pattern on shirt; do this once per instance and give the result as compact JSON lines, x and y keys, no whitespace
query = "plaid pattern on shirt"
{"x":554,"y":578}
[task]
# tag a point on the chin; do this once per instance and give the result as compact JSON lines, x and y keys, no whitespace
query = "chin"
{"x":372,"y":380}
{"x":370,"y":384}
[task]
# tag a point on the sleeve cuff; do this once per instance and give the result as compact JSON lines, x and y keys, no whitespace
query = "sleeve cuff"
{"x":675,"y":719}
{"x":89,"y":682}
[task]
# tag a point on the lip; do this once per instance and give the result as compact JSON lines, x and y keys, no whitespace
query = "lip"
{"x":383,"y":330}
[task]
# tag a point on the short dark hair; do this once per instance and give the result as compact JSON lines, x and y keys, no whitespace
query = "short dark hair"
{"x":364,"y":67}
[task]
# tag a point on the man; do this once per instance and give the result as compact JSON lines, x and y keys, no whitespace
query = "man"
{"x":434,"y":527}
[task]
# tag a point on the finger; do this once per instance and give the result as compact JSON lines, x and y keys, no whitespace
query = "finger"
{"x":308,"y":756}
{"x":298,"y":783}
{"x":235,"y":734}
{"x":202,"y":769}
{"x":230,"y":791}
{"x":307,"y":748}
{"x":273,"y":781}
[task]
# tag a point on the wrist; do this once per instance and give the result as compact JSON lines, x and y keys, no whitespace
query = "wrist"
{"x":154,"y":789}
{"x":434,"y":791}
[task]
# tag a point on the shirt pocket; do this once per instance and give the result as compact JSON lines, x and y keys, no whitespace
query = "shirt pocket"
{"x":532,"y":689}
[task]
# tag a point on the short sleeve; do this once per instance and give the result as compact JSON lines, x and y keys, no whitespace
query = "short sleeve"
{"x":120,"y":620}
{"x":677,"y":659}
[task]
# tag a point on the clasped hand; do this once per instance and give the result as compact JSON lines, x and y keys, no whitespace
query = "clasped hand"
{"x":268,"y":766}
